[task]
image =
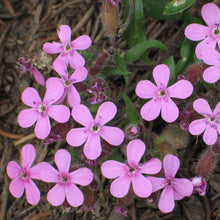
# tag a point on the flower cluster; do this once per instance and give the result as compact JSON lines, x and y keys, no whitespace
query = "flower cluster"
{"x":93,"y":131}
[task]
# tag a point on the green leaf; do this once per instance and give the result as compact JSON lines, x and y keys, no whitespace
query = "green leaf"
{"x":135,"y":52}
{"x":130,"y":110}
{"x":155,"y":8}
{"x":135,"y":32}
{"x":171,"y":64}
{"x":177,"y":6}
{"x":110,"y":70}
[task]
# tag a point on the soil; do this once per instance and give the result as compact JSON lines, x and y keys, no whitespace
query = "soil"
{"x":24,"y":27}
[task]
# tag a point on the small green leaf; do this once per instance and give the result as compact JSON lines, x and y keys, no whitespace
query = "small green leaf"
{"x":136,"y":32}
{"x":135,"y":52}
{"x":110,"y":70}
{"x":130,"y":110}
{"x":177,"y":6}
{"x":171,"y":64}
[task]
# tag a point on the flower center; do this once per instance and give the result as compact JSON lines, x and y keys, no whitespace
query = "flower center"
{"x":162,"y":93}
{"x":133,"y":170}
{"x":24,"y":175}
{"x":67,"y":47}
{"x":95,"y":128}
{"x":216,"y":30}
{"x":63,"y":178}
{"x":42,"y":108}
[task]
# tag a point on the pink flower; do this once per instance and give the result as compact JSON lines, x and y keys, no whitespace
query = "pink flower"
{"x":65,"y":187}
{"x":209,"y":35}
{"x":42,"y":110}
{"x":210,"y":123}
{"x":160,"y":95}
{"x":174,"y":188}
{"x":78,"y":75}
{"x":114,"y":2}
{"x":67,"y":48}
{"x":94,"y":128}
{"x":211,"y":57}
{"x":131,"y":172}
{"x":199,"y":185}
{"x":27,"y":66}
{"x":22,"y":176}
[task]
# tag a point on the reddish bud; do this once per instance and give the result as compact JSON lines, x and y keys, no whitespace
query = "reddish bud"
{"x":206,"y":164}
{"x":132,"y":132}
{"x":195,"y":72}
{"x":110,"y":18}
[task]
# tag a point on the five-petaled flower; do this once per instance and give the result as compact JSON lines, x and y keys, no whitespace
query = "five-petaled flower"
{"x":94,"y":128}
{"x":22,"y":176}
{"x":174,"y":188}
{"x":41,"y":110}
{"x":78,"y":75}
{"x":211,"y":57}
{"x":160,"y":95}
{"x":132,"y":172}
{"x":210,"y":123}
{"x":67,"y":48}
{"x":66,"y":181}
{"x":210,"y":35}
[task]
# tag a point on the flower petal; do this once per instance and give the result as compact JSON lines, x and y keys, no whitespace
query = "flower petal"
{"x":92,"y":148}
{"x":76,"y":60}
{"x":52,"y":95}
{"x":74,"y":196}
{"x":63,"y":160}
{"x":181,"y":89}
{"x":81,"y":176}
{"x":28,"y":154}
{"x":120,"y":187}
{"x":53,"y":47}
{"x":142,"y":186}
{"x":64,"y":33}
{"x":27,"y":117}
{"x":211,"y":74}
{"x":202,"y":106}
{"x":204,"y":45}
{"x":61,"y":68}
{"x":169,"y":111}
{"x":13,"y":169}
{"x":166,"y":203}
{"x":217,"y":109}
{"x":161,"y":75}
{"x":79,"y":74}
{"x":157,"y":183}
{"x":35,"y":171}
{"x":210,"y":135}
{"x":30,"y":97}
{"x":56,"y":195}
{"x":211,"y":56}
{"x":63,"y":57}
{"x":73,"y":96}
{"x":210,"y":14}
{"x":59,"y":113}
{"x":42,"y":128}
{"x":196,"y":127}
{"x":81,"y":43}
{"x":76,"y":136}
{"x":82,"y":115}
{"x":150,"y":110}
{"x":177,"y":196}
{"x":48,"y":173}
{"x":182,"y":186}
{"x":171,"y":165}
{"x":145,"y":89}
{"x":112,"y":169}
{"x":32,"y":192}
{"x":197,"y":32}
{"x":152,"y":166}
{"x":16,"y":187}
{"x":112,"y":135}
{"x":106,"y":112}
{"x":135,"y":151}
{"x":38,"y":76}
